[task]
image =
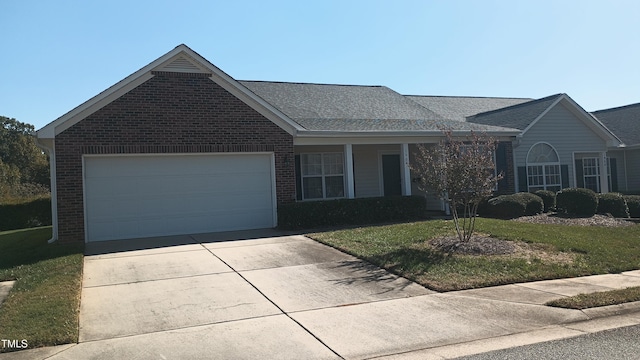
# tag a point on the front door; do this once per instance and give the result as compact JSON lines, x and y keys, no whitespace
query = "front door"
{"x":391,"y":179}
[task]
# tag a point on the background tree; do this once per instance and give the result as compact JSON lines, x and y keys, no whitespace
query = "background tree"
{"x":460,"y":171}
{"x":24,"y":168}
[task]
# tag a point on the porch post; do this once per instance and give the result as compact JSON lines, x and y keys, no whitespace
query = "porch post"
{"x":604,"y":171}
{"x":348,"y":176}
{"x":406,"y":171}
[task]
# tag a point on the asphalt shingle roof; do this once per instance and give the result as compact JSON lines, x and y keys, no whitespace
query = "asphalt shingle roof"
{"x":324,"y":107}
{"x":460,"y":107}
{"x":516,"y":116}
{"x":623,"y":121}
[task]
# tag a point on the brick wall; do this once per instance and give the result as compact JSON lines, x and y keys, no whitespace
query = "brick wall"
{"x":170,"y":113}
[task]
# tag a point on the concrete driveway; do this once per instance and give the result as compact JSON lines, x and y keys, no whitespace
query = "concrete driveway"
{"x":285,"y":297}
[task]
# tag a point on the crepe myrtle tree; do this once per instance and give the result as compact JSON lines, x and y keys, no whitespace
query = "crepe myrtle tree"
{"x":461,"y":171}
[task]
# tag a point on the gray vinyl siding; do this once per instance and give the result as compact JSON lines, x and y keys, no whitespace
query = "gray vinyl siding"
{"x":560,"y":128}
{"x":366,"y":168}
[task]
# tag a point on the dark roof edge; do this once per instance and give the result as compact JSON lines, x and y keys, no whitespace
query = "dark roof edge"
{"x":528,"y":103}
{"x":616,"y":108}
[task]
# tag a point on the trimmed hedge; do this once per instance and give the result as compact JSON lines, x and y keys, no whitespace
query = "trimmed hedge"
{"x":577,"y":201}
{"x":614,"y":204}
{"x":513,"y":206}
{"x":26,"y":214}
{"x":633,"y":203}
{"x":314,"y":214}
{"x":548,"y":198}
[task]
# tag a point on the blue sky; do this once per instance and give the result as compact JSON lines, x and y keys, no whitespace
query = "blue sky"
{"x":58,"y":54}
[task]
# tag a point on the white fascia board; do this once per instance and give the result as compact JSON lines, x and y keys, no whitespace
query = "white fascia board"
{"x":389,"y":137}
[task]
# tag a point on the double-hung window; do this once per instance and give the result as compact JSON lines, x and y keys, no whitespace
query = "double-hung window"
{"x":322,"y":175}
{"x":591,"y":173}
{"x":543,"y":168}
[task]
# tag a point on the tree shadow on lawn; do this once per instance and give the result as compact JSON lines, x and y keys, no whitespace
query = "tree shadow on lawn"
{"x":409,"y":261}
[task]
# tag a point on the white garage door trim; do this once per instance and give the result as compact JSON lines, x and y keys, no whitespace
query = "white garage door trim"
{"x":206,"y":161}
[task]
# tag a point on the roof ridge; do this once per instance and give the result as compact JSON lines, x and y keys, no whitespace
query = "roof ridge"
{"x":307,"y":83}
{"x":520,"y":105}
{"x":616,"y":108}
{"x":473,"y":97}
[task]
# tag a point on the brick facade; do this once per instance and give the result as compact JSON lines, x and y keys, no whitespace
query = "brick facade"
{"x":170,"y":113}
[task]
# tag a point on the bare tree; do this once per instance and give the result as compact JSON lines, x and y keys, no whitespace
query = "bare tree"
{"x":461,"y":171}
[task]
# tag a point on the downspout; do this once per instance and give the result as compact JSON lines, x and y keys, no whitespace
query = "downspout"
{"x":54,"y":198}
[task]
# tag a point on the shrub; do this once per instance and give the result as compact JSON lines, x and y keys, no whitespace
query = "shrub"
{"x":614,"y":204}
{"x":633,"y":203}
{"x":548,"y":198}
{"x":577,"y":201}
{"x":25,"y":214}
{"x":313,"y":214}
{"x":513,"y":206}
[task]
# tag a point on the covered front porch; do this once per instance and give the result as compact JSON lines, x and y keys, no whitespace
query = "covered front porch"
{"x":325,"y":172}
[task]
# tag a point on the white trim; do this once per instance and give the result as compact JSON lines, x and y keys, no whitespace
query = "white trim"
{"x":349,"y":178}
{"x":274,"y":197}
{"x":406,"y":170}
{"x":541,"y":115}
{"x":51,"y":150}
{"x":543,"y":164}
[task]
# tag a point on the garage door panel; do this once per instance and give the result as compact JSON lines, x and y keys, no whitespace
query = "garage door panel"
{"x":139,"y":196}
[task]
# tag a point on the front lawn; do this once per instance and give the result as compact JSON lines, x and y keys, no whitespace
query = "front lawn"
{"x":42,"y":308}
{"x":545,"y":252}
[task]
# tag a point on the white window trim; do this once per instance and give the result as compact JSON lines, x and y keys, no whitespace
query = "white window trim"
{"x":597,"y":175}
{"x":544,"y":170}
{"x":322,"y":176}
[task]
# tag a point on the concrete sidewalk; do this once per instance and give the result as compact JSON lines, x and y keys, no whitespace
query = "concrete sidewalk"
{"x":291,"y":297}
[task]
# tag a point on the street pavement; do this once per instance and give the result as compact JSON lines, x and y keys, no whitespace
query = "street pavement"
{"x":249,"y":295}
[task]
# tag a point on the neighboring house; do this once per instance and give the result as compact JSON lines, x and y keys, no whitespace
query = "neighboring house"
{"x":560,"y":144}
{"x":625,"y":122}
{"x":180,"y":147}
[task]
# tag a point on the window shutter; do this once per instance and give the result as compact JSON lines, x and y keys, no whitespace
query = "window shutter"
{"x":522,"y":179}
{"x":614,"y":174}
{"x":501,"y":165}
{"x":298,"y":178}
{"x":564,"y":173}
{"x":579,"y":174}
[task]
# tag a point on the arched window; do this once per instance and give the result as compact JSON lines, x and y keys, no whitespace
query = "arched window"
{"x":543,"y":168}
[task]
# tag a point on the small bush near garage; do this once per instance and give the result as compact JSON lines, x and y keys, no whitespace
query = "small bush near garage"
{"x":548,"y":198}
{"x":614,"y":204}
{"x":513,"y":206}
{"x":314,"y":214}
{"x":25,"y":214}
{"x":577,"y":201}
{"x":633,"y":203}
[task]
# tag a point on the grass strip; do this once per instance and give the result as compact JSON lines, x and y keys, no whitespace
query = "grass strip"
{"x":42,"y":308}
{"x":597,"y":299}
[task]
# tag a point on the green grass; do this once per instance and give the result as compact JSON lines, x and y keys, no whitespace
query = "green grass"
{"x":43,"y":305}
{"x":602,"y":298}
{"x":560,"y":251}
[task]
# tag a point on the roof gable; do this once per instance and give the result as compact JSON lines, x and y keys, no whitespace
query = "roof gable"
{"x":180,"y":59}
{"x":623,"y":121}
{"x":524,"y":116}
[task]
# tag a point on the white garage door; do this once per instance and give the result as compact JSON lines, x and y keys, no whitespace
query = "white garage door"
{"x":143,"y":196}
